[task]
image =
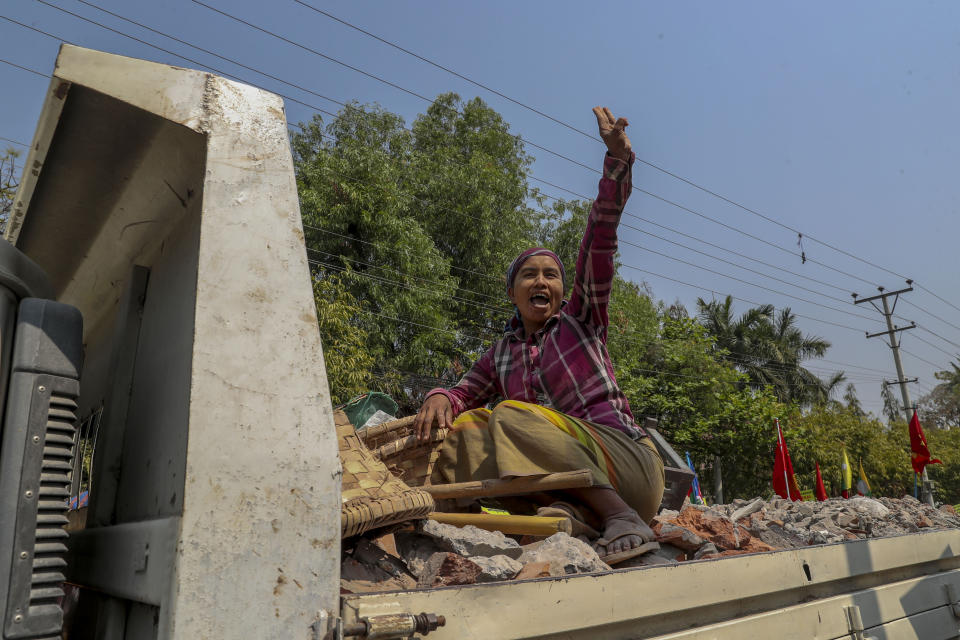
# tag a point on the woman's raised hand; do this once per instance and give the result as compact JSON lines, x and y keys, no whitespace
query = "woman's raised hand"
{"x":612,"y":132}
{"x":436,"y":407}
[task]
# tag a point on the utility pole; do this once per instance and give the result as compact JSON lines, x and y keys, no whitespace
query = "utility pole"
{"x":894,"y":344}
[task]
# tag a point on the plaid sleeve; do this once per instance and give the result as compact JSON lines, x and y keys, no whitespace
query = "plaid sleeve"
{"x":595,"y":269}
{"x":477,"y":386}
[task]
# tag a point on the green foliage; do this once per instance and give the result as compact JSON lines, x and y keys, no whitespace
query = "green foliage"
{"x":940,"y":409}
{"x":821,"y":435}
{"x":769,"y":348}
{"x":8,"y":184}
{"x":420,"y":219}
{"x":409,"y":232}
{"x":945,"y":445}
{"x":349,"y":365}
{"x":667,"y":365}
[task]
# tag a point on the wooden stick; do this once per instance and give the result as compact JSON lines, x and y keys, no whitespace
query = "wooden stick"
{"x":386,"y":427}
{"x":520,"y":525}
{"x":410,"y":441}
{"x":512,"y":486}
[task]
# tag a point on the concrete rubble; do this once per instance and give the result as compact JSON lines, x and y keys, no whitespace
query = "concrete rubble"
{"x":565,"y":555}
{"x":431,"y":554}
{"x":751,"y":526}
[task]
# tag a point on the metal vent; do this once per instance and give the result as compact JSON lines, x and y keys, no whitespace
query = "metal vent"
{"x":36,"y":465}
{"x":52,"y":495}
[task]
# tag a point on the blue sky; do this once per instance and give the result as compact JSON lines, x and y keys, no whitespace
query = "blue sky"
{"x":835,"y":119}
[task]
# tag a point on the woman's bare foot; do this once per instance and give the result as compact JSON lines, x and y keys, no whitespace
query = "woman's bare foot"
{"x":622,"y":532}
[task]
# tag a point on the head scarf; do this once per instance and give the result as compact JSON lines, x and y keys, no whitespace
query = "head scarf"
{"x":529,"y":253}
{"x":515,"y":322}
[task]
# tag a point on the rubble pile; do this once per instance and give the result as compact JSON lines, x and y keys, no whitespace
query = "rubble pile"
{"x":431,"y":554}
{"x":750,"y":526}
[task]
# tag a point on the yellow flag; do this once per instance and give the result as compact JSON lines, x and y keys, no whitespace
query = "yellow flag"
{"x":846,"y":473}
{"x":863,"y":487}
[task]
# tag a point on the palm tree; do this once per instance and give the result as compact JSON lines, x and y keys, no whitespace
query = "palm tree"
{"x":769,"y":348}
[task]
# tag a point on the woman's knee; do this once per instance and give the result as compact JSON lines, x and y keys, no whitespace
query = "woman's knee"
{"x":475,"y":418}
{"x":511,"y":414}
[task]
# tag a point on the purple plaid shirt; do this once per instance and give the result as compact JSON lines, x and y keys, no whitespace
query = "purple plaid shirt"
{"x":565,"y":365}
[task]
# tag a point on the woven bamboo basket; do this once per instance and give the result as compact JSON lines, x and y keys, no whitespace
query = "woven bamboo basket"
{"x":373,"y":497}
{"x":395,"y":444}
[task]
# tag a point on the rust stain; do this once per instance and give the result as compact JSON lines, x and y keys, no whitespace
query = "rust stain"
{"x":281,"y":580}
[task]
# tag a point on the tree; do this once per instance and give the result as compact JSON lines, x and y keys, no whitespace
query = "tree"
{"x":420,"y":221}
{"x":769,"y":348}
{"x":349,"y":366}
{"x":8,"y":184}
{"x":891,"y":405}
{"x":940,"y":408}
{"x":821,"y":435}
{"x":668,"y":366}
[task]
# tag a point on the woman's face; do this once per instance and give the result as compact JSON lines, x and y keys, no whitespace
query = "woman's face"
{"x":537,"y":291}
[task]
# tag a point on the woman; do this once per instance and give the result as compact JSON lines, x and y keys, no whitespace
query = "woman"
{"x":564,"y":409}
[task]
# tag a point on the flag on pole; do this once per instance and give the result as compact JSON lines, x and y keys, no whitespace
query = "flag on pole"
{"x":784,"y":482}
{"x":846,"y":476}
{"x":863,"y":487}
{"x":697,"y":497}
{"x":820,"y":492}
{"x":918,"y":446}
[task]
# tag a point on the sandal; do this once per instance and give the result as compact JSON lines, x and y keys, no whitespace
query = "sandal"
{"x":620,"y":527}
{"x":578,"y":524}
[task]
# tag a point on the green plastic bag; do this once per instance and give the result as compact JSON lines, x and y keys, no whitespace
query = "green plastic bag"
{"x":360,"y":409}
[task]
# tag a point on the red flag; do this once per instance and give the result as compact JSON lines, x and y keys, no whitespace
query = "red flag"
{"x":820,"y":491}
{"x":784,"y":482}
{"x":918,"y":445}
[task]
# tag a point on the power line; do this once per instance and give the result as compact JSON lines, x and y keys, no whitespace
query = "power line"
{"x":394,"y":249}
{"x":18,"y":66}
{"x":930,"y":313}
{"x":724,"y":275}
{"x":380,"y":245}
{"x":434,"y":282}
{"x":774,"y":366}
{"x":718,"y":222}
{"x":159,"y":48}
{"x":208,"y":52}
{"x":392,"y":84}
{"x":923,"y":288}
{"x":452,"y":72}
{"x":739,"y":266}
{"x":379,"y":79}
{"x":632,"y":368}
{"x":674,"y":175}
{"x":669,"y":257}
{"x":592,"y":137}
{"x":932,"y":364}
{"x":930,"y":344}
{"x":402,"y":284}
{"x":17,"y":142}
{"x":343,"y":104}
{"x":691,"y":237}
{"x":267,"y":75}
{"x":629,"y":266}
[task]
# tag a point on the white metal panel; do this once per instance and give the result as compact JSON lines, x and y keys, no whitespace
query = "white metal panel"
{"x":191,"y":176}
{"x":667,"y":599}
{"x":914,"y":608}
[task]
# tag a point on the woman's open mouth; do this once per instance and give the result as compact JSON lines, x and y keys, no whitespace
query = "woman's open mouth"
{"x":540,"y":301}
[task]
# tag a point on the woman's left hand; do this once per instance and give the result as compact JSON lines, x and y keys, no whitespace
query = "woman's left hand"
{"x":436,"y":409}
{"x":612,"y":132}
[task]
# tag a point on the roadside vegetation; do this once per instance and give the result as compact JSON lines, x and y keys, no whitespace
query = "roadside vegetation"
{"x":409,"y":230}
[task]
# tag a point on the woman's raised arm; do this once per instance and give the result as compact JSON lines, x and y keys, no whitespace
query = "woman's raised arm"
{"x":595,"y":269}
